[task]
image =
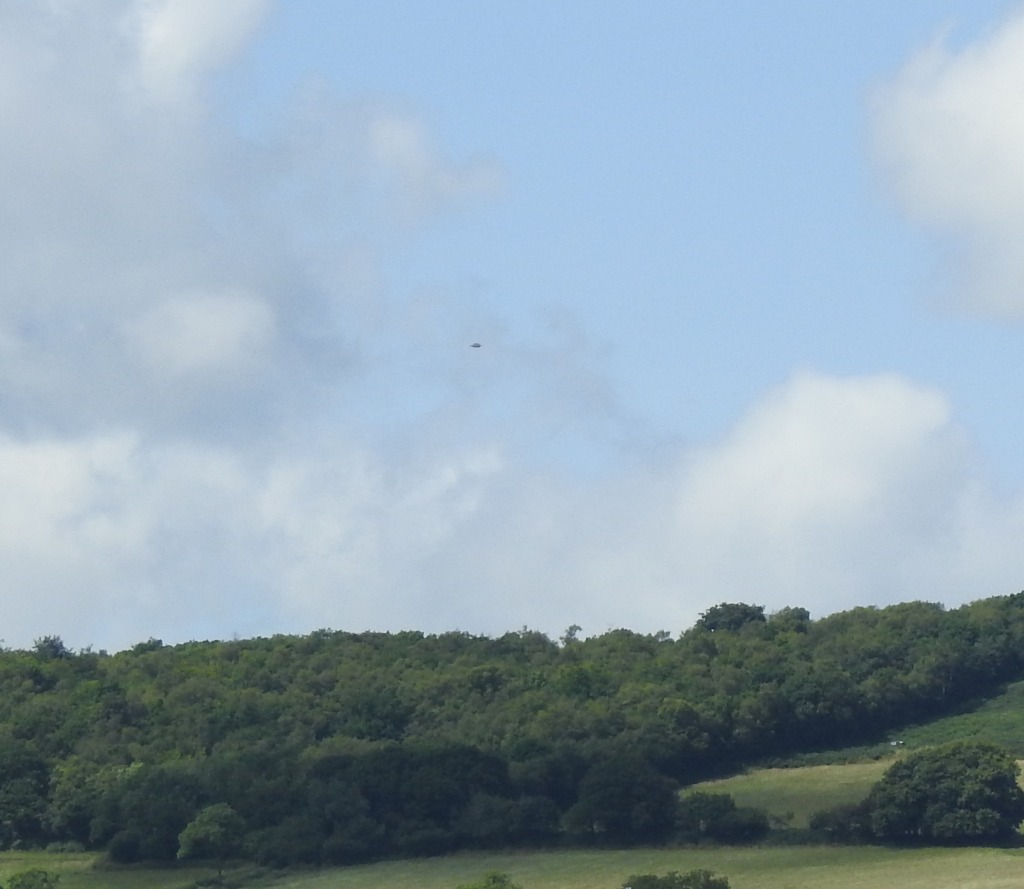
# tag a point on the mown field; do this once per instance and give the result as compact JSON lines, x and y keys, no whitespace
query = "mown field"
{"x":814,"y":867}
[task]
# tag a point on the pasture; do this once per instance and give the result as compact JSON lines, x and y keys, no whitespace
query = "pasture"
{"x":802,"y":867}
{"x":792,"y":795}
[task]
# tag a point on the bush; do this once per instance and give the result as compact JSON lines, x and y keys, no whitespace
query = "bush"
{"x":715,"y":816}
{"x":33,"y":879}
{"x":694,"y":879}
{"x":847,"y":823}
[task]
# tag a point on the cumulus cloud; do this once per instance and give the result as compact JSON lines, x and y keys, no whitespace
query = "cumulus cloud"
{"x":178,"y":41}
{"x":141,"y":248}
{"x":829,"y":493}
{"x":846,"y":489}
{"x":377,"y":157}
{"x":198,"y":334}
{"x":218,"y":415}
{"x":949,"y":134}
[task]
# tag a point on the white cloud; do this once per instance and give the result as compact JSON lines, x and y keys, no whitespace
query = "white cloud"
{"x":179,"y":41}
{"x":203,"y":333}
{"x":829,"y":493}
{"x":949,"y":133}
{"x":417,"y":174}
{"x":140,"y":247}
{"x":217,"y":415}
{"x":379,"y":157}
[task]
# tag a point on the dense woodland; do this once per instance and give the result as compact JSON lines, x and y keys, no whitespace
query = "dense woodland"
{"x":338,"y":747}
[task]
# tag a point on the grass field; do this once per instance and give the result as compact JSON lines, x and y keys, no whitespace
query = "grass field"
{"x":752,"y":868}
{"x":811,"y":867}
{"x":79,"y":871}
{"x":794,"y":794}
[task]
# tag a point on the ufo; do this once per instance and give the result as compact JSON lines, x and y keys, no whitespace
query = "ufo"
{"x":474,"y":345}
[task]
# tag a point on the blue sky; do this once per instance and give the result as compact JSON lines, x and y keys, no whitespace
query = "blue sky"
{"x":747,"y":280}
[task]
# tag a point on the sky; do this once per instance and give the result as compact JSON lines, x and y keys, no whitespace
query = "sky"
{"x":747,"y":280}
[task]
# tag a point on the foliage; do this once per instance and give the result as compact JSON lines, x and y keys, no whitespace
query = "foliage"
{"x":51,"y":647}
{"x":716,"y":816}
{"x":625,"y":800}
{"x":215,"y":833}
{"x":340,"y":747}
{"x":843,"y":823}
{"x":36,"y":878}
{"x":960,"y":792}
{"x":731,"y":617}
{"x":694,"y":879}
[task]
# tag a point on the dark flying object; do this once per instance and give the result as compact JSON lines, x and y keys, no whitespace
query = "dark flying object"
{"x":474,"y":345}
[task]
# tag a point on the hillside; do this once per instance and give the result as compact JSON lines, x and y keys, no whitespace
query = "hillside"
{"x":825,"y":779}
{"x":339,"y":747}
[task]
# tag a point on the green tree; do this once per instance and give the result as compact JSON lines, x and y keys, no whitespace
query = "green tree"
{"x":625,"y":799}
{"x":51,"y":648}
{"x":716,"y":816}
{"x":731,"y":616}
{"x":23,"y":789}
{"x":215,"y":833}
{"x":955,"y":793}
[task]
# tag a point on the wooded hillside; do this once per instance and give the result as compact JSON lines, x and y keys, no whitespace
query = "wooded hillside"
{"x":337,"y":747}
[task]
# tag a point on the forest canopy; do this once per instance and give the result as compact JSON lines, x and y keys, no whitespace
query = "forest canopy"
{"x":337,"y":747}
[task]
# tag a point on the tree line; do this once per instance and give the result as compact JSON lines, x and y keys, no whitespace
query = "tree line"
{"x":337,"y":747}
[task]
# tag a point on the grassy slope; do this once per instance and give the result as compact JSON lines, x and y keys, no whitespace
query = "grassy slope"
{"x":794,"y":794}
{"x":823,"y":784}
{"x":999,"y":720}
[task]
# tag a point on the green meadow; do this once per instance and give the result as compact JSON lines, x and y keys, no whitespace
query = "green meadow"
{"x":802,"y":867}
{"x":749,"y":868}
{"x":793,"y":795}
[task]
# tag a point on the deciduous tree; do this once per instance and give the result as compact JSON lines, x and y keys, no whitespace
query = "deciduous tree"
{"x":955,"y":793}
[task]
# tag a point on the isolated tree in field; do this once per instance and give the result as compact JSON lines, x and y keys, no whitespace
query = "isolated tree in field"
{"x":956,"y":793}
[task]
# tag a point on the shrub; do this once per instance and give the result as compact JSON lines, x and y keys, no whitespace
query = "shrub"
{"x":715,"y":816}
{"x":694,"y":879}
{"x":33,"y":879}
